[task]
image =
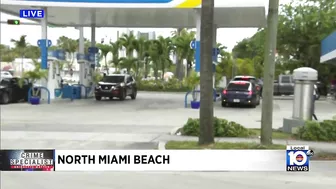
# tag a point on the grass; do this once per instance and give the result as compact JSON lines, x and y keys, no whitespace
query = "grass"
{"x":276,"y":134}
{"x":192,"y":145}
{"x":324,"y":156}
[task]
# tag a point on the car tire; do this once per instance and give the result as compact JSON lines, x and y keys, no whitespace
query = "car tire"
{"x":224,"y":104}
{"x":253,"y":105}
{"x":133,"y":95}
{"x":5,"y":98}
{"x":122,"y":95}
{"x":98,"y":98}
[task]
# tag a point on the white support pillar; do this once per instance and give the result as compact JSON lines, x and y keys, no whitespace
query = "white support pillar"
{"x":93,"y":44}
{"x":82,"y":65}
{"x":93,"y":35}
{"x":44,"y":58}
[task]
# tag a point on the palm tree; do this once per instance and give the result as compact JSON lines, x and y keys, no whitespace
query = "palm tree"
{"x":182,"y":47}
{"x":141,"y":53}
{"x":165,"y":49}
{"x":128,"y":63}
{"x":33,"y":52}
{"x":158,"y":55}
{"x":129,"y":42}
{"x":115,"y":47}
{"x":155,"y":57}
{"x":206,"y":113}
{"x":70,"y":46}
{"x":34,"y":76}
{"x":104,"y":49}
{"x":179,"y":71}
{"x":146,"y":57}
{"x":20,"y":48}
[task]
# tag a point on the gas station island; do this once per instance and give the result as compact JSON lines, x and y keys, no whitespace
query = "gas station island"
{"x":130,"y":14}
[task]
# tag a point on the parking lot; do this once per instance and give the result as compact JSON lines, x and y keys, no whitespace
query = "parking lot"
{"x":114,"y":124}
{"x":136,"y":124}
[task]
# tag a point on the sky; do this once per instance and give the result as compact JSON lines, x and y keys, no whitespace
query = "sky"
{"x":228,"y":36}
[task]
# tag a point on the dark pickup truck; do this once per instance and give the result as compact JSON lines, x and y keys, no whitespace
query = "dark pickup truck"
{"x":284,"y":85}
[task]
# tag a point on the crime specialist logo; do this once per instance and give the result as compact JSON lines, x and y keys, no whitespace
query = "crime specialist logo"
{"x":297,"y":158}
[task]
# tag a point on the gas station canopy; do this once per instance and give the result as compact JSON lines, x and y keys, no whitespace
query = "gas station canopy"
{"x":142,"y":13}
{"x":328,"y":49}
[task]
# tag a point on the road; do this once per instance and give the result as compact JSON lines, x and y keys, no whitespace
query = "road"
{"x":137,"y":124}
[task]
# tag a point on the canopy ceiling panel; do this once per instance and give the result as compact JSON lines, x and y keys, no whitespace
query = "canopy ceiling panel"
{"x":228,"y":17}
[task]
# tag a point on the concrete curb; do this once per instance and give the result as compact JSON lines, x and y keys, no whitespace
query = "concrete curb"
{"x":162,"y":146}
{"x":174,"y":130}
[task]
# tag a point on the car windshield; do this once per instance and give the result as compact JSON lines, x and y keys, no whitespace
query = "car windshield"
{"x":238,"y":86}
{"x":5,"y":82}
{"x":244,"y":79}
{"x":114,"y":79}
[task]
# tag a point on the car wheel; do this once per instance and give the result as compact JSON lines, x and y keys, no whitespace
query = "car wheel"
{"x":133,"y":95}
{"x":5,"y":98}
{"x":110,"y":98}
{"x":224,"y":104}
{"x":122,"y":95}
{"x":98,"y":98}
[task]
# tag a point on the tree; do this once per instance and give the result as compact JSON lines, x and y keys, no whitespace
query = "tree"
{"x":155,"y":57}
{"x":182,"y":47}
{"x":20,"y":48}
{"x":34,"y":76}
{"x":206,"y":110}
{"x":129,"y":42}
{"x":302,"y":26}
{"x":33,"y":52}
{"x":104,"y":49}
{"x":141,"y":53}
{"x":6,"y":54}
{"x":115,"y":47}
{"x":128,"y":63}
{"x":270,"y":47}
{"x":179,"y":71}
{"x":70,"y":46}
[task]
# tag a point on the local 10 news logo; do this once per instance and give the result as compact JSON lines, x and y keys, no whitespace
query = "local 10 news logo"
{"x":298,"y":158}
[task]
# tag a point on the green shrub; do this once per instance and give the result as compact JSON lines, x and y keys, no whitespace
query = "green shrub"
{"x":172,"y":85}
{"x":222,"y":128}
{"x":318,"y":131}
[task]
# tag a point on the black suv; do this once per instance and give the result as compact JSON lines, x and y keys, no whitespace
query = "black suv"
{"x":116,"y":85}
{"x":11,"y":91}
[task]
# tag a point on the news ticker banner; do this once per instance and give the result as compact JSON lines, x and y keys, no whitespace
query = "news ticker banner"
{"x":295,"y":158}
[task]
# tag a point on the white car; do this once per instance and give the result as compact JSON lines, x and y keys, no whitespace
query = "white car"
{"x":6,"y":74}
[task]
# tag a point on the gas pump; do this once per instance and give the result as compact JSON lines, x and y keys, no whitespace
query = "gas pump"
{"x":86,"y":72}
{"x":54,"y":75}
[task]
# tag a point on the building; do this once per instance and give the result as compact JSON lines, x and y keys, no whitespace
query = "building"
{"x":146,"y":35}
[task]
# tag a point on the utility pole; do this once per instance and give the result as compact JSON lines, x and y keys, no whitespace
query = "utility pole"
{"x":269,"y":65}
{"x":206,"y":74}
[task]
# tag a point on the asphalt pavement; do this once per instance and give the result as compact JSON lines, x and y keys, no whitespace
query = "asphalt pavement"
{"x":138,"y":124}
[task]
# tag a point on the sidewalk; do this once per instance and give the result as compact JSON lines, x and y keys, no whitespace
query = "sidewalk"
{"x":317,"y":146}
